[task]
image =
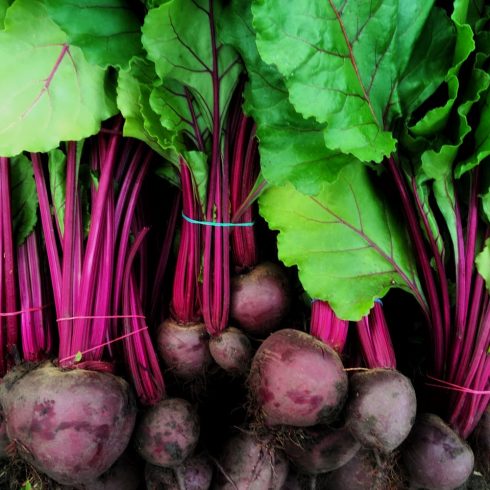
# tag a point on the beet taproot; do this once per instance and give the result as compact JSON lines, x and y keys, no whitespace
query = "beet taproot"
{"x":296,"y":380}
{"x":71,"y":425}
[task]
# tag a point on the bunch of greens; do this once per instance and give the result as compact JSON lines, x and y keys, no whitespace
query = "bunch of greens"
{"x":344,"y":93}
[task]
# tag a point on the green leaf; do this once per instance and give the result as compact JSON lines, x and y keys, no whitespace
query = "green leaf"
{"x":178,"y":38}
{"x":57,"y":184}
{"x":342,"y":61}
{"x":51,"y":93}
{"x":437,"y":166}
{"x":108,"y":31}
{"x":198,"y":164}
{"x":292,"y":149}
{"x":348,"y":246}
{"x":24,"y":198}
{"x":483,"y":263}
{"x":134,"y":88}
{"x":4,"y":5}
{"x":435,"y":120}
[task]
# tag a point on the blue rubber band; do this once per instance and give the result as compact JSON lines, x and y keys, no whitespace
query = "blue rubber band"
{"x":214,"y":223}
{"x":377,"y":300}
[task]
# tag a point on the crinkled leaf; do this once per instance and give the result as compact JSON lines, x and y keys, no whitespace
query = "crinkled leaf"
{"x":133,"y":94}
{"x":436,"y":43}
{"x":57,"y":184}
{"x":483,"y":263}
{"x":170,"y":100}
{"x":438,"y":165}
{"x":482,"y":139}
{"x":348,"y":246}
{"x":292,"y":149}
{"x":342,"y":62}
{"x":23,"y":198}
{"x":108,"y":31}
{"x":51,"y":93}
{"x":178,"y":37}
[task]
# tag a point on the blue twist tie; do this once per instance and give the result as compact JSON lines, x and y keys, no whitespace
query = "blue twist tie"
{"x":214,"y":223}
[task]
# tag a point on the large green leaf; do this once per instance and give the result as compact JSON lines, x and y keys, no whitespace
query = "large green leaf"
{"x":179,"y":37}
{"x":348,"y":246}
{"x":50,"y":92}
{"x":342,"y":62}
{"x":292,"y":149}
{"x":23,"y":198}
{"x":108,"y":31}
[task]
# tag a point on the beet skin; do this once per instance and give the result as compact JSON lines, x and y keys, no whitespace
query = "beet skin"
{"x":71,"y":425}
{"x":296,"y":380}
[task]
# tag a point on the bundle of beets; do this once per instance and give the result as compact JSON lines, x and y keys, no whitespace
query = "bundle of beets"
{"x":205,"y":208}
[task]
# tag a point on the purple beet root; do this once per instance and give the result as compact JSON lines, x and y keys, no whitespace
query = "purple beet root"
{"x":435,"y":457}
{"x":248,"y":463}
{"x":296,"y":380}
{"x":184,"y":348}
{"x":125,"y":474}
{"x":381,"y":408}
{"x":260,"y":299}
{"x":70,"y":425}
{"x":4,"y":440}
{"x":195,"y":473}
{"x":232,"y":351}
{"x":362,"y":472}
{"x":167,"y":433}
{"x":321,"y":449}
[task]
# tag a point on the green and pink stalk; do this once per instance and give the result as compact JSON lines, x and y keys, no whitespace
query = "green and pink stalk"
{"x":460,"y":335}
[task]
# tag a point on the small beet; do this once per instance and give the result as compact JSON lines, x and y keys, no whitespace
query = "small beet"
{"x":125,"y":474}
{"x":167,"y":433}
{"x":363,"y":472}
{"x":247,"y":463}
{"x":184,"y":348}
{"x":260,"y":299}
{"x":435,"y":457}
{"x":296,"y":380}
{"x":321,"y":449}
{"x":232,"y":351}
{"x":381,"y":408}
{"x":195,"y":473}
{"x":71,"y":425}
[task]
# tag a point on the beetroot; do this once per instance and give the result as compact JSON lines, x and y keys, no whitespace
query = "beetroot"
{"x":184,"y":348}
{"x":247,"y":463}
{"x":363,"y":472}
{"x":260,"y":299}
{"x":195,"y":473}
{"x":167,"y":433}
{"x":321,"y":449}
{"x":70,"y":425}
{"x":296,"y":380}
{"x":231,"y":350}
{"x":4,"y":440}
{"x":435,"y":456}
{"x":125,"y":474}
{"x":381,"y":408}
